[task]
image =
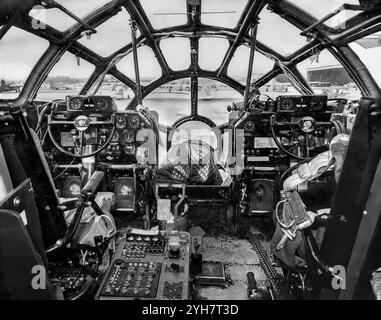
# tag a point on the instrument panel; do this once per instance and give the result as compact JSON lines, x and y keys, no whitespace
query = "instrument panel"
{"x":254,"y":133}
{"x":312,"y":103}
{"x":90,"y":104}
{"x":259,"y":148}
{"x":132,"y":130}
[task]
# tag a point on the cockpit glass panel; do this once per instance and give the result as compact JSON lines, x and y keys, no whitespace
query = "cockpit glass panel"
{"x":121,"y":94}
{"x":57,"y":19}
{"x":327,"y":76}
{"x":164,"y":14}
{"x":238,"y":66}
{"x":116,"y":28}
{"x":213,"y":98}
{"x":324,"y":7}
{"x":176,"y":52}
{"x":212,"y":52}
{"x":368,"y":50}
{"x":195,"y":131}
{"x":171,"y":101}
{"x":222,"y":13}
{"x":16,"y":63}
{"x":82,"y":8}
{"x":67,"y":77}
{"x":54,"y":18}
{"x":279,"y":34}
{"x":280,"y":85}
{"x":149,"y":67}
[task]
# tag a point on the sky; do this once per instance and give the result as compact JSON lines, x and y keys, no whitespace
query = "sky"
{"x":16,"y":63}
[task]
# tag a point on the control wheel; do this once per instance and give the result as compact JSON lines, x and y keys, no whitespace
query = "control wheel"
{"x":81,"y":125}
{"x":302,"y":130}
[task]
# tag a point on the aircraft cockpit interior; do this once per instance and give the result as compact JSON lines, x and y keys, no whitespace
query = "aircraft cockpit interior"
{"x":190,"y":150}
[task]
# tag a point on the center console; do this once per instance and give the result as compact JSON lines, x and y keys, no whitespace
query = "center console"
{"x":149,"y":265}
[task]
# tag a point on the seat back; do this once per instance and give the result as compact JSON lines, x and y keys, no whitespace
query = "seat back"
{"x":22,"y":254}
{"x":5,"y":179}
{"x":352,"y":189}
{"x":24,"y":158}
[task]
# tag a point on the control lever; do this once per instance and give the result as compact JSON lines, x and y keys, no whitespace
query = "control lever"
{"x":87,"y":195}
{"x":253,"y":291}
{"x":92,"y":185}
{"x":261,"y":293}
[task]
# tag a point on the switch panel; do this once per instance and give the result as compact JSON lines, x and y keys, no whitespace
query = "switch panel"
{"x":147,"y":266}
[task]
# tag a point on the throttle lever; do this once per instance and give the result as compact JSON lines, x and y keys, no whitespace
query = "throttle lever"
{"x":91,"y":187}
{"x":253,"y":292}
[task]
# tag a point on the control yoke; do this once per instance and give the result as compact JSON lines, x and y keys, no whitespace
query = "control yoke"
{"x":82,"y":124}
{"x":305,"y":125}
{"x":87,"y":197}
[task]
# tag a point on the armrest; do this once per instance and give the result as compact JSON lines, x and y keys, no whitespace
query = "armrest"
{"x":92,"y":185}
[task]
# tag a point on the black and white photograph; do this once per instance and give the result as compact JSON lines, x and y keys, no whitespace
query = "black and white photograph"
{"x":190,"y":157}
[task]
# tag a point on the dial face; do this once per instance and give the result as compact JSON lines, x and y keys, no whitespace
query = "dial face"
{"x":129,"y":149}
{"x":134,"y":121}
{"x":101,"y":104}
{"x":249,"y":126}
{"x":75,"y":189}
{"x":128,"y":136}
{"x":120,"y":122}
{"x":115,"y":137}
{"x":75,"y":104}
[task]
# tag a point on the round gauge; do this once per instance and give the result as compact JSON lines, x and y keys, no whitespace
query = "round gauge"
{"x":75,"y":103}
{"x":129,"y":149}
{"x":120,"y":122}
{"x":249,"y":126}
{"x":101,"y":104}
{"x":134,"y":121}
{"x":115,"y":137}
{"x":128,"y":136}
{"x":75,"y":189}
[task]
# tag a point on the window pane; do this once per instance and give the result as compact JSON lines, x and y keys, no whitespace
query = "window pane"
{"x":82,"y":8}
{"x":327,"y":76}
{"x":177,"y":52}
{"x":195,"y":131}
{"x":213,"y":98}
{"x":369,"y":49}
{"x":16,"y":63}
{"x":165,"y":13}
{"x":239,"y":65}
{"x":66,"y":78}
{"x":116,"y":28}
{"x":278,"y":86}
{"x":232,"y":11}
{"x":279,"y":34}
{"x":171,"y":101}
{"x":324,"y":7}
{"x":60,"y":20}
{"x":212,"y":52}
{"x":149,"y":68}
{"x":52,"y":17}
{"x":117,"y":90}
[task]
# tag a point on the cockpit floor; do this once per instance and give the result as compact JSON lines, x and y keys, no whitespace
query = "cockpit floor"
{"x":222,"y":244}
{"x":239,"y":258}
